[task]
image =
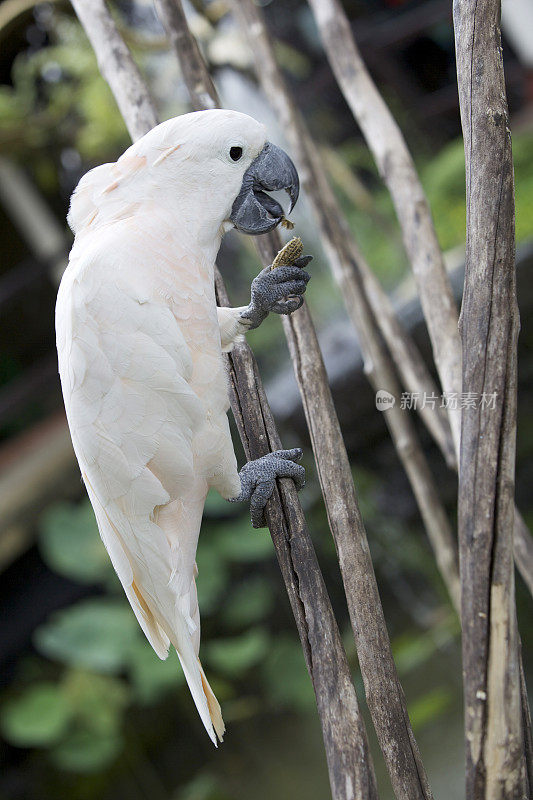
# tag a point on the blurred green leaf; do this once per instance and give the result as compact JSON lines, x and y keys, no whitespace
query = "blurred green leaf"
{"x":86,"y":751}
{"x":217,"y":507}
{"x":444,"y":180}
{"x":239,"y":542}
{"x":427,"y":708}
{"x":292,"y":59}
{"x":97,"y":634}
{"x":96,"y":700}
{"x":285,"y":675}
{"x":235,"y":655}
{"x":250,"y":601}
{"x":203,"y":787}
{"x":366,"y":486}
{"x":70,"y":543}
{"x":152,"y":678}
{"x":37,"y":718}
{"x":38,"y":117}
{"x":412,"y":650}
{"x":213,"y":574}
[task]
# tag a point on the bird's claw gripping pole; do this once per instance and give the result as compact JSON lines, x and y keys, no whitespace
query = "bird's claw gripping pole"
{"x":258,"y":480}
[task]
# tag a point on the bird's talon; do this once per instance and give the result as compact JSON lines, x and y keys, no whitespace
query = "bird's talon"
{"x":277,"y":290}
{"x":258,"y":479}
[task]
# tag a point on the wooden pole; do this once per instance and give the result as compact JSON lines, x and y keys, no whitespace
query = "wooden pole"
{"x":495,"y":763}
{"x":349,"y":761}
{"x":384,"y":693}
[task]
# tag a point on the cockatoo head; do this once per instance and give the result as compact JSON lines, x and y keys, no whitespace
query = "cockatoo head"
{"x":210,"y":169}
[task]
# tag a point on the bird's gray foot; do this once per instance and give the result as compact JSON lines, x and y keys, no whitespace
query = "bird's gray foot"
{"x":258,"y":479}
{"x":279,"y":290}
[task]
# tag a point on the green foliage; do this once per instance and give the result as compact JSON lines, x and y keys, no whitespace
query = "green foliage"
{"x":372,"y":217}
{"x":238,"y":542}
{"x":151,"y":679}
{"x":429,"y":707}
{"x":96,"y":700}
{"x":285,"y":675}
{"x":235,"y":655}
{"x":37,"y":718}
{"x":443,"y":178}
{"x":58,"y":99}
{"x":83,"y":751}
{"x":213,"y":575}
{"x":444,"y":181}
{"x":250,"y":602}
{"x":78,"y":719}
{"x":233,"y":542}
{"x":94,"y":738}
{"x":95,"y":634}
{"x":105,"y":663}
{"x":413,"y":651}
{"x":523,"y":166}
{"x":71,"y":546}
{"x":203,"y":787}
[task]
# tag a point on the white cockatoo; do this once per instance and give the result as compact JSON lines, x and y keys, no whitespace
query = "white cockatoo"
{"x":140,"y":342}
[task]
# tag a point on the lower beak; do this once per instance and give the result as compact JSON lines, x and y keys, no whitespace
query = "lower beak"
{"x":254,"y":211}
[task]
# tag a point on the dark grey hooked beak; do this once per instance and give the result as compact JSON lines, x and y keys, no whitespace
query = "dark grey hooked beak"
{"x":254,"y":211}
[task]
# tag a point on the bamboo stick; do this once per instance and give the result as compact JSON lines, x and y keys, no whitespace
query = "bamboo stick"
{"x":494,"y":715}
{"x":349,"y":761}
{"x":383,"y":690}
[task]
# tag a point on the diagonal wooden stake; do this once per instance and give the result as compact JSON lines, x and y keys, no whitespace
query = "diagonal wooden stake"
{"x":348,"y":757}
{"x":384,"y":693}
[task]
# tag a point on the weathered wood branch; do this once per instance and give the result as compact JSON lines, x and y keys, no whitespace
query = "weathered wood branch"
{"x":363,"y":296}
{"x":344,"y":734}
{"x":349,"y":761}
{"x":398,"y":172}
{"x":494,"y":714}
{"x":117,"y":66}
{"x":383,"y":690}
{"x":202,"y":91}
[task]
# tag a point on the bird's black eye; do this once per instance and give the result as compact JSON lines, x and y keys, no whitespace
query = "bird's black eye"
{"x":235,"y":153}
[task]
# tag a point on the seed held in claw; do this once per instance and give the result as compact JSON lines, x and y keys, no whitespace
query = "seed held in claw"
{"x":289,"y":253}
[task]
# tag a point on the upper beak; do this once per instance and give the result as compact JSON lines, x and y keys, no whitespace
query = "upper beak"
{"x":254,"y":211}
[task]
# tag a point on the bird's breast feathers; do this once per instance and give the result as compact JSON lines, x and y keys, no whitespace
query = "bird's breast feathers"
{"x":140,"y":364}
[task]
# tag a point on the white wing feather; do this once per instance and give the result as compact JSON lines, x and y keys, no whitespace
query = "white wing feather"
{"x":146,"y":400}
{"x":125,"y":367}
